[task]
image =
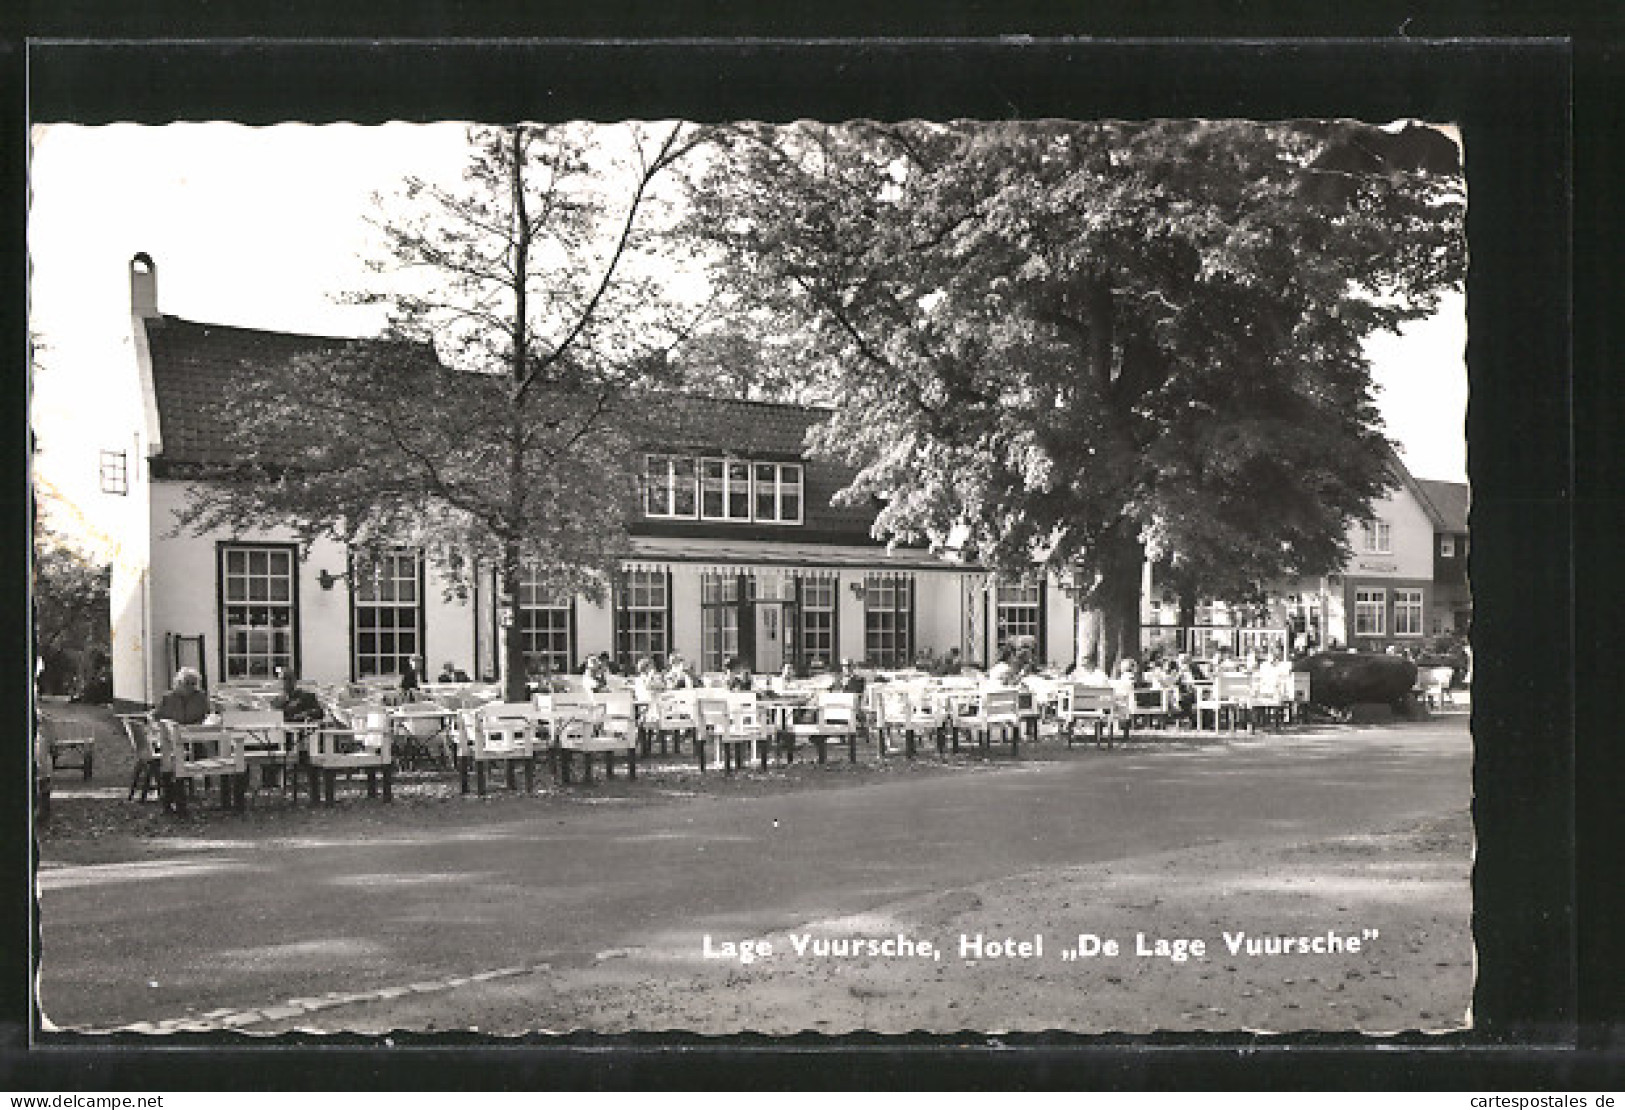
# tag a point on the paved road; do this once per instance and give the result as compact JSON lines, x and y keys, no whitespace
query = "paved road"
{"x":239,"y":923}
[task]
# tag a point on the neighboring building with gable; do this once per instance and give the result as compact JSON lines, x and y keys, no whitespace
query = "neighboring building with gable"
{"x":1389,"y":593}
{"x":1452,"y":612}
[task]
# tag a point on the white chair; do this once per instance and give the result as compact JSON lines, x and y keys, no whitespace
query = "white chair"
{"x":745,"y":727}
{"x":1268,"y":700}
{"x":930,"y":712}
{"x":572,"y":721}
{"x":1299,"y":694}
{"x":993,"y":707}
{"x":423,"y":728}
{"x":1226,"y":696}
{"x":498,"y":733}
{"x":711,"y":720}
{"x":1435,"y":682}
{"x":614,"y":729}
{"x":671,"y":717}
{"x":889,"y":707}
{"x":367,"y":745}
{"x":265,"y":743}
{"x":834,"y":717}
{"x":145,"y":746}
{"x":197,"y":753}
{"x":1085,"y":704}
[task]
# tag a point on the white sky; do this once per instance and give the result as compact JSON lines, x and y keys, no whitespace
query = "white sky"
{"x":258,"y":227}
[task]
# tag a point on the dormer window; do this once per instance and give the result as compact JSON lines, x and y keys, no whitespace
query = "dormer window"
{"x":682,"y":487}
{"x":778,"y":492}
{"x":724,"y":489}
{"x":668,"y":486}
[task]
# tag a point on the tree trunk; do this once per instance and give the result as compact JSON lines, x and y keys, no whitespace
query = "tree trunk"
{"x":1187,"y":616}
{"x":515,"y":686}
{"x":1109,"y":618}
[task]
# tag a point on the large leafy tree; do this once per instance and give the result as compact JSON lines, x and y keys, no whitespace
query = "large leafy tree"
{"x":72,"y":619}
{"x":489,"y":424}
{"x":1089,"y":344}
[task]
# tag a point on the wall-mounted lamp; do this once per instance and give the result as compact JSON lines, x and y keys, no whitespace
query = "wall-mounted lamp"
{"x":857,"y":588}
{"x":325,"y":578}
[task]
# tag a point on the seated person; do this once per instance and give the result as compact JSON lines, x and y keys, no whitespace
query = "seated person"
{"x":186,"y":703}
{"x":595,"y":674}
{"x":850,"y":681}
{"x":450,"y":673}
{"x":297,"y":704}
{"x":1004,"y":671}
{"x":409,"y":680}
{"x":1128,"y":677}
{"x":1090,"y":673}
{"x":738,"y":674}
{"x":679,"y":675}
{"x":647,"y":681}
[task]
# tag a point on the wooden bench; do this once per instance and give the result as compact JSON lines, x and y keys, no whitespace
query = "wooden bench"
{"x":72,"y":745}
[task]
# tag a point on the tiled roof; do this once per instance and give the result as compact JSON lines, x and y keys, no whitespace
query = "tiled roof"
{"x":195,"y":365}
{"x":1452,"y":499}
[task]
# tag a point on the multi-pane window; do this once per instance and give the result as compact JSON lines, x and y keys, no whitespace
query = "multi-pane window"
{"x":681,"y":487}
{"x":668,"y":486}
{"x":388,"y":608}
{"x":818,"y":597}
{"x":115,"y":473}
{"x":1370,"y":612}
{"x":1407,"y":612}
{"x":777,"y":492}
{"x":724,"y":489}
{"x":544,"y":624}
{"x":1017,"y":614}
{"x":642,"y":617}
{"x":1376,"y":538}
{"x":720,"y":596}
{"x":258,"y":619}
{"x":887,"y":624}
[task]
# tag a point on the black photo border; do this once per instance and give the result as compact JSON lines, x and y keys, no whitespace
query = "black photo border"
{"x":1536,"y":1020}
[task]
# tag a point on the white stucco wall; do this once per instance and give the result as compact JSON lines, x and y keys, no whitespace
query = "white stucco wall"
{"x":850,"y":621}
{"x":938,"y":617}
{"x":1411,"y":533}
{"x":185,"y":591}
{"x":685,"y":612}
{"x":1060,"y":625}
{"x":595,"y":629}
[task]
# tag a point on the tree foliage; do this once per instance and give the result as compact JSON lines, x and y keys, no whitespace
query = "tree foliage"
{"x":484,"y":426}
{"x":1093,"y":343}
{"x":72,"y":618}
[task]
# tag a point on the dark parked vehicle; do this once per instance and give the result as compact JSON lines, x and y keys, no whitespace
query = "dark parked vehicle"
{"x":1340,"y":679}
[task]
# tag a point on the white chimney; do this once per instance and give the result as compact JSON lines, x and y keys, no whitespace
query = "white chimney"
{"x":143,"y":287}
